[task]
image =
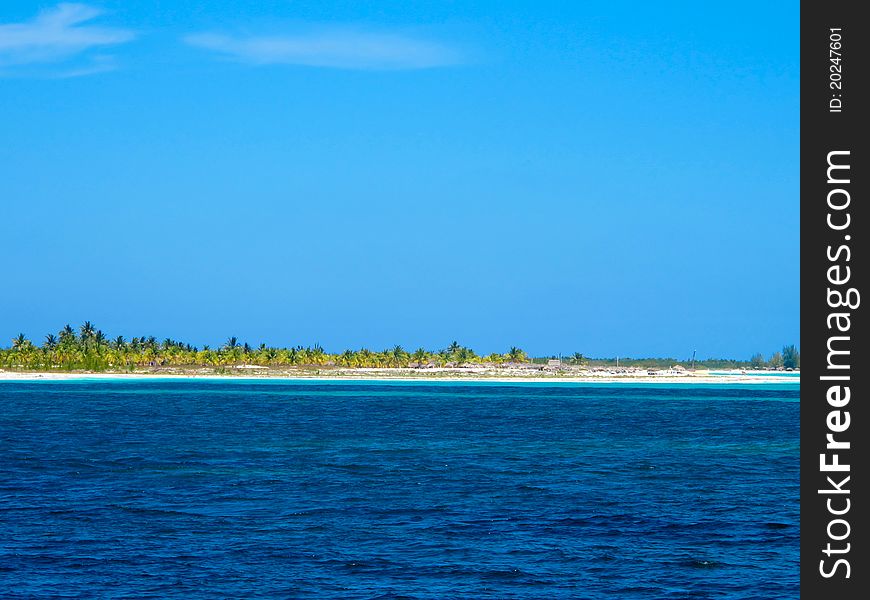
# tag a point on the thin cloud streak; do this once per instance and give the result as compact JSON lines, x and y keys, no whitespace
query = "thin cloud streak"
{"x":100,"y":64}
{"x":339,"y":49}
{"x":55,"y":35}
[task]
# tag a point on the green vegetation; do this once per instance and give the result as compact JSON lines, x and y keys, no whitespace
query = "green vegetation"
{"x":791,"y":358}
{"x":775,"y":361}
{"x":666,"y":363}
{"x":89,"y":349}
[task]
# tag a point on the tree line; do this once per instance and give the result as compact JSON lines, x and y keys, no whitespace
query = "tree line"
{"x":789,"y":358}
{"x":90,"y":349}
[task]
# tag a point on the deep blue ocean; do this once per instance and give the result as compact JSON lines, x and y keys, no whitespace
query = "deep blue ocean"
{"x":241,"y":489}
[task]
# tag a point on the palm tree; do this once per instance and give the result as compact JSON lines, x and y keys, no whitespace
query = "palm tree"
{"x":316,"y":354}
{"x":463,"y":355}
{"x":87,"y":330}
{"x":398,"y":355}
{"x":366,"y":357}
{"x":50,"y":341}
{"x":420,"y":356}
{"x":271,"y":355}
{"x":516,"y":355}
{"x":20,"y":342}
{"x":347,"y":358}
{"x":231,"y":349}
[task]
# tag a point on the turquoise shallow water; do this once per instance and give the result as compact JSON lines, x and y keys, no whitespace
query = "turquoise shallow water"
{"x":205,"y":489}
{"x":791,"y":374}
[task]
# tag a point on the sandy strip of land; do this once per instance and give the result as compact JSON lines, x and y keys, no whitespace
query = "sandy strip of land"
{"x":401,"y":375}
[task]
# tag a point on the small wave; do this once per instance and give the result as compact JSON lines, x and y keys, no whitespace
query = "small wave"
{"x":532,"y":488}
{"x":700,"y":563}
{"x":575,"y":522}
{"x":151,"y":511}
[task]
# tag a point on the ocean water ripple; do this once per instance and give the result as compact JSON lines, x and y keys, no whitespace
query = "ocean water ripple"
{"x":214,"y":489}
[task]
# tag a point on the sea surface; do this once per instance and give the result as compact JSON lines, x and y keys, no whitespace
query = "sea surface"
{"x":793,"y":374}
{"x":241,"y":489}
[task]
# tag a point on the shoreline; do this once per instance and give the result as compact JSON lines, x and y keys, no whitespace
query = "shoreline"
{"x":402,"y":376}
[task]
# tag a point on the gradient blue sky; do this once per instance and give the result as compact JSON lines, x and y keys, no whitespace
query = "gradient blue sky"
{"x":605,"y":177}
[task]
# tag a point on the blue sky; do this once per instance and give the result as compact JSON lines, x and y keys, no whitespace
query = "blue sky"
{"x":604,"y":177}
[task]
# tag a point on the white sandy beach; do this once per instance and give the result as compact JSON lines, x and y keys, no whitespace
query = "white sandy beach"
{"x":406,"y":375}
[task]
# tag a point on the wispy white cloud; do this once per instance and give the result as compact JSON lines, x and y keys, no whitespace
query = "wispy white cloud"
{"x":336,"y":48}
{"x":97,"y":64}
{"x":60,"y":34}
